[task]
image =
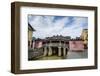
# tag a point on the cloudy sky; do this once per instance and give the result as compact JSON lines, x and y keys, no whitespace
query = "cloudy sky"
{"x":47,"y":26}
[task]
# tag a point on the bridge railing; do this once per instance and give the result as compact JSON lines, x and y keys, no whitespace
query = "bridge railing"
{"x":56,"y":44}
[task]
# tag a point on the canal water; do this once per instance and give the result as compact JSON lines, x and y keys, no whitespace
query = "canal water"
{"x":77,"y":55}
{"x":70,"y":55}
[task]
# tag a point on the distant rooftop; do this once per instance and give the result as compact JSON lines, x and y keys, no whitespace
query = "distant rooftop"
{"x":58,"y":37}
{"x":30,"y":27}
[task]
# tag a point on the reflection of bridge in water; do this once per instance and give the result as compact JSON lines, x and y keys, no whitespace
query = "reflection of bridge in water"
{"x":38,"y":54}
{"x":70,"y":55}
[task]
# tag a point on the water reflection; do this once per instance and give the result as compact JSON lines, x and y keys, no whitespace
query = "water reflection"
{"x":70,"y":55}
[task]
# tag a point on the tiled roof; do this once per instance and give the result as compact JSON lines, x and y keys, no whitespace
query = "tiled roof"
{"x":30,"y":27}
{"x":58,"y":37}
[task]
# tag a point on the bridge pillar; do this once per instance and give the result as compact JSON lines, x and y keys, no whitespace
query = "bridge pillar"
{"x":45,"y":51}
{"x":64,"y":51}
{"x":59,"y":51}
{"x":50,"y":51}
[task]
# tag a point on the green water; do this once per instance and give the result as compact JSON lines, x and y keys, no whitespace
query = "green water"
{"x":50,"y":58}
{"x":70,"y":55}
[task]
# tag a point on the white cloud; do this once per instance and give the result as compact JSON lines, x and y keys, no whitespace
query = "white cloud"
{"x":46,"y":27}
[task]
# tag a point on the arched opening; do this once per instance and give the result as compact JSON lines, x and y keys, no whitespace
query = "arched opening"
{"x":54,"y":50}
{"x":61,"y":51}
{"x":66,"y":51}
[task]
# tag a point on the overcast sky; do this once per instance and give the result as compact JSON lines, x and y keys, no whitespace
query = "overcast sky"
{"x":47,"y":26}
